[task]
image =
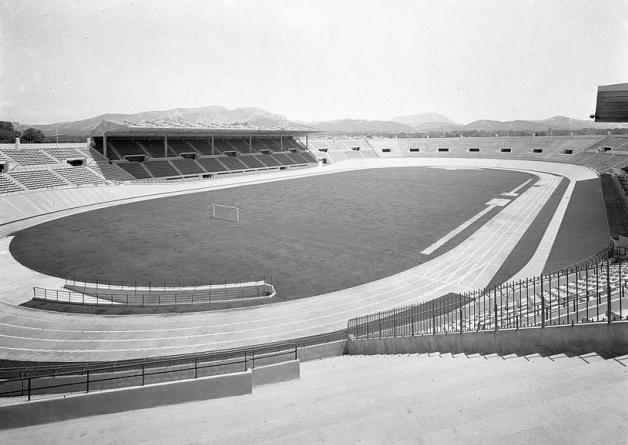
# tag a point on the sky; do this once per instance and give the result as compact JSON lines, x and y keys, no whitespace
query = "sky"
{"x":64,"y":60}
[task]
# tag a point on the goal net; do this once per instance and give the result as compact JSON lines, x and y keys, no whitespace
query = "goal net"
{"x":226,"y":213}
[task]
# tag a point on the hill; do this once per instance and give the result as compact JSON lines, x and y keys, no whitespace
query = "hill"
{"x":254,"y":117}
{"x":417,"y":120}
{"x":361,"y":126}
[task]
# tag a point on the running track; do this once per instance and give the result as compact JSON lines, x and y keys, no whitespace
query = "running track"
{"x":31,"y":334}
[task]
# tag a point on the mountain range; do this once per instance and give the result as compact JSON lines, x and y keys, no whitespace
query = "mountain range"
{"x":257,"y":118}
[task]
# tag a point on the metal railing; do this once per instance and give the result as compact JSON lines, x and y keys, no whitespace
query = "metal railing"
{"x":124,"y":296}
{"x":86,"y":377}
{"x":592,"y":291}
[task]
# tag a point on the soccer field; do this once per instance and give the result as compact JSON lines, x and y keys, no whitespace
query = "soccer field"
{"x":312,"y":235}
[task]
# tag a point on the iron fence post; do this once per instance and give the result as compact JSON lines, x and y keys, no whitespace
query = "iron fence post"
{"x":542,"y":304}
{"x":460,"y":311}
{"x":29,"y":388}
{"x":608,"y":292}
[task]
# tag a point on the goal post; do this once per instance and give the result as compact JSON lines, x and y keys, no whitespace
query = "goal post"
{"x":223,"y":212}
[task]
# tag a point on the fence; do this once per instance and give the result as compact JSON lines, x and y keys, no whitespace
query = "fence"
{"x":592,"y":291}
{"x":86,"y":377}
{"x":111,"y":294}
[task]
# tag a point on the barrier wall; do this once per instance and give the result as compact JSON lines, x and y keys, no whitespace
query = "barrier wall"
{"x":106,"y":402}
{"x":607,"y":340}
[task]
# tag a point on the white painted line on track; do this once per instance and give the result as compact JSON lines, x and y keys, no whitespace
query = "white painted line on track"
{"x":456,"y":231}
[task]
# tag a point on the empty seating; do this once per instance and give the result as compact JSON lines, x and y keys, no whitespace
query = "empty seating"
{"x":212,"y":165}
{"x":126,"y":148}
{"x":111,"y":172}
{"x":187,"y":166}
{"x":309,"y":157}
{"x":297,"y":158}
{"x":204,"y":147}
{"x":136,"y":169}
{"x":241,"y":145}
{"x":269,"y":160}
{"x":179,"y":147}
{"x":160,"y":169}
{"x":155,"y":148}
{"x":251,"y":162}
{"x":221,"y":145}
{"x":38,"y":179}
{"x":232,"y":163}
{"x":63,"y":154}
{"x":7,"y":185}
{"x":352,"y":154}
{"x":274,"y":144}
{"x":29,"y":156}
{"x":80,"y":176}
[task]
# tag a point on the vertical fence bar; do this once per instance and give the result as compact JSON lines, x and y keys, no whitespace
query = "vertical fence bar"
{"x":608,"y":292}
{"x":87,"y":382}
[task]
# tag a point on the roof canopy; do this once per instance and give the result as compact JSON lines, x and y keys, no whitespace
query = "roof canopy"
{"x":162,"y":128}
{"x":612,"y":103}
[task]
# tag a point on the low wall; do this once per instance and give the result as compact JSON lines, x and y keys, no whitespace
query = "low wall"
{"x":331,"y":349}
{"x":608,"y":340}
{"x":279,"y":372}
{"x":105,"y":402}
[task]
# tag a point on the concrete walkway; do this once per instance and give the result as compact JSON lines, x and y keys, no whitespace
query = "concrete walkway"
{"x":30,"y":334}
{"x":407,"y":399}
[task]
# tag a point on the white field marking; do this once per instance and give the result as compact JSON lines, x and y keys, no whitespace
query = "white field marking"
{"x":498,"y":202}
{"x":514,"y":191}
{"x":456,"y":231}
{"x":535,"y":266}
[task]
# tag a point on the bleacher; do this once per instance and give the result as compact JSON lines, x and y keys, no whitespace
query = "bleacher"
{"x":160,"y":169}
{"x":8,"y":185}
{"x":111,"y":172}
{"x":240,"y":145}
{"x":212,"y":165}
{"x":187,"y":166}
{"x":155,"y":148}
{"x":178,"y":147}
{"x":283,"y":159}
{"x":269,"y":160}
{"x":135,"y":169}
{"x":126,"y":148}
{"x":80,"y":176}
{"x":28,"y":156}
{"x":251,"y":161}
{"x":38,"y":179}
{"x":232,"y":163}
{"x":98,"y":169}
{"x":220,"y":146}
{"x":63,"y":154}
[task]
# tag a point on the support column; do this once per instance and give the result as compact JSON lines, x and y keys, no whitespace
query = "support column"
{"x":213,"y":146}
{"x":250,"y":144}
{"x":281,"y":142}
{"x":104,"y":144}
{"x":307,"y":144}
{"x":165,"y":146}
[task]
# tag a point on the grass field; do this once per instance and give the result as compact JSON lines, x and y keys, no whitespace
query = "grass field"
{"x":312,"y":235}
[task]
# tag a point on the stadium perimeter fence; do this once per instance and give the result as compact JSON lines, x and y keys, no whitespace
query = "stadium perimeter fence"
{"x":590,"y":291}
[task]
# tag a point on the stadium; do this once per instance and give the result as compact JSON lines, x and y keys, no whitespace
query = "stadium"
{"x":207,"y":275}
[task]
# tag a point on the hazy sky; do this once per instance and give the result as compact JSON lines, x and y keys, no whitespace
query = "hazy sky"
{"x":310,"y":60}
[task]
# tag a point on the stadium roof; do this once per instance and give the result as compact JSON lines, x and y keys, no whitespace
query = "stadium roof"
{"x":183,"y":128}
{"x":612,"y":103}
